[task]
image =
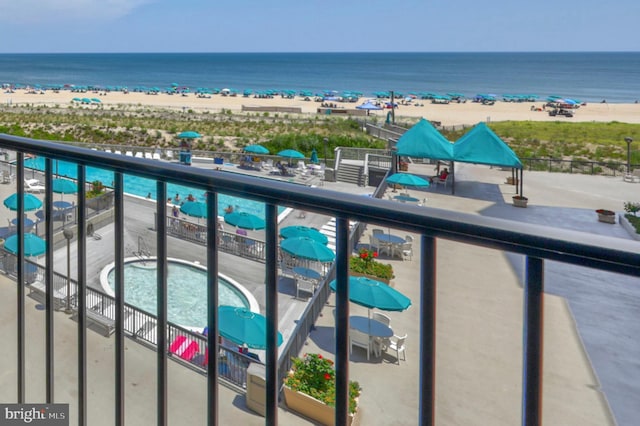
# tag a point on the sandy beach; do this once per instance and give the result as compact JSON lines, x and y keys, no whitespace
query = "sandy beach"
{"x":468,"y":113}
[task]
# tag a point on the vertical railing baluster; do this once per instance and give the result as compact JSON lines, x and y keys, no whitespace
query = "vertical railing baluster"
{"x":213,"y":236}
{"x":342,"y":321}
{"x":48,"y":280}
{"x":81,"y":257}
{"x":118,"y":188}
{"x":162,"y":401}
{"x":271,"y":299}
{"x":428,"y":258}
{"x":533,"y":342}
{"x":20,"y":279}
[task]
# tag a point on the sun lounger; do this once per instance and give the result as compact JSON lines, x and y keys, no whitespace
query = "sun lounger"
{"x":148,"y":155}
{"x":129,"y":153}
{"x":184,"y":348}
{"x":139,"y":154}
{"x":156,"y":156}
{"x":33,"y":185}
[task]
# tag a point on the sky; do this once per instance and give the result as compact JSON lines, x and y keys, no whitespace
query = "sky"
{"x":61,"y":26}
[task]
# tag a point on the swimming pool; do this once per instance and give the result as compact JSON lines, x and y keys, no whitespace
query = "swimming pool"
{"x":141,"y":187}
{"x":186,"y":290}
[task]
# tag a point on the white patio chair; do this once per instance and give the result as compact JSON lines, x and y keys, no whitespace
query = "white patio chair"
{"x":129,"y":153}
{"x":396,"y":343}
{"x":148,"y":155}
{"x":407,"y":250}
{"x":139,"y":154}
{"x":306,"y":286}
{"x":362,"y":340}
{"x":380,"y":317}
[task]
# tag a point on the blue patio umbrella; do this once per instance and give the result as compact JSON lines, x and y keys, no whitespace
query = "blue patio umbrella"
{"x":189,"y":135}
{"x":314,"y":157}
{"x":33,"y":245}
{"x":304,"y":231}
{"x":407,"y":179}
{"x":374,"y":294}
{"x":31,"y":202}
{"x":194,"y":208}
{"x":242,"y":326}
{"x":244,"y":220}
{"x":307,"y":248}
{"x":290,"y":153}
{"x":64,"y":186}
{"x":256,"y":149}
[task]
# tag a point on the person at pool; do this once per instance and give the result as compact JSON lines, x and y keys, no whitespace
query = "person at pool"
{"x":442,"y":176}
{"x":177,"y":198}
{"x":176,"y":211}
{"x":229,"y":209}
{"x":190,"y":197}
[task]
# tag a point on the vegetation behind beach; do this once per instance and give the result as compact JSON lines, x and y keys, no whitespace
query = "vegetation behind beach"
{"x":225,"y":131}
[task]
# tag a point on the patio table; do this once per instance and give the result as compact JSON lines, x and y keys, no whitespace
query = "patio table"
{"x":307,"y":273}
{"x":374,"y":329}
{"x":390,"y":242}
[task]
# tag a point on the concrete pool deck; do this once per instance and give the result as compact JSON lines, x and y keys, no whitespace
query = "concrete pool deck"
{"x":479,"y":320}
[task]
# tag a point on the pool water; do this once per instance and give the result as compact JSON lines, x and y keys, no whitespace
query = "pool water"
{"x":186,"y":291}
{"x":142,"y":187}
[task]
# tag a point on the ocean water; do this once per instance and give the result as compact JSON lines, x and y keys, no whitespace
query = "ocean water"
{"x":590,"y":77}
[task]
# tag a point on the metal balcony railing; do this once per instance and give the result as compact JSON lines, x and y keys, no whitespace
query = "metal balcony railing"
{"x":537,"y":244}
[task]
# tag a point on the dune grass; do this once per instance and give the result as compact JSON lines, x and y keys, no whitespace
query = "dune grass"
{"x":148,"y":127}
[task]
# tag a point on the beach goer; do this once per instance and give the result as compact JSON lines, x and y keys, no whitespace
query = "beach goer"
{"x":190,"y":197}
{"x":177,"y":198}
{"x":175,"y":211}
{"x":149,"y":196}
{"x":229,"y":209}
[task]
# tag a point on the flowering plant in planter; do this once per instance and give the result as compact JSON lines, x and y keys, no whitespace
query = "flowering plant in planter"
{"x":97,"y":189}
{"x":365,"y":263}
{"x":520,"y":197}
{"x":314,"y":375}
{"x":605,"y":212}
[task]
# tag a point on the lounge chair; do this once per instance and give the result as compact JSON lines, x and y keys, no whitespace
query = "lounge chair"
{"x":184,"y":348}
{"x":156,"y":156}
{"x":139,"y":154}
{"x":33,"y":185}
{"x":129,"y":153}
{"x":148,"y":155}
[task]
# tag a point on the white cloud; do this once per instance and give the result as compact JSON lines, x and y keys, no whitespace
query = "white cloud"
{"x":33,"y":11}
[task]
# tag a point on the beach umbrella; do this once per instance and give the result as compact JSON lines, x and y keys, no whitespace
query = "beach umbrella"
{"x":194,"y":208}
{"x":256,"y":149}
{"x":33,"y":245}
{"x":368,"y":106}
{"x":304,"y":232}
{"x":189,"y":135}
{"x":314,"y":157}
{"x":407,"y":179}
{"x":290,"y":153}
{"x":96,"y":100}
{"x":242,"y":326}
{"x":31,"y":202}
{"x":374,"y":294}
{"x":244,"y":220}
{"x":307,"y":248}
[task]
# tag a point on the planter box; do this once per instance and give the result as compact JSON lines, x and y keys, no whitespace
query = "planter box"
{"x":314,"y":409}
{"x":520,"y":202}
{"x":624,"y":222}
{"x":103,"y":202}
{"x":512,"y":181}
{"x":607,"y":218}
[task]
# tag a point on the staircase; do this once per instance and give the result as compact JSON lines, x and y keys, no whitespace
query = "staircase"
{"x":351,"y":173}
